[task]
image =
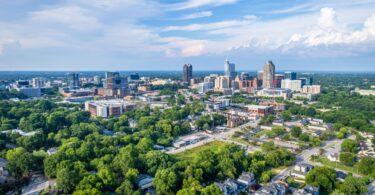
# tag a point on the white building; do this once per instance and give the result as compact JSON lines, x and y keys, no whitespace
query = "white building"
{"x":205,"y":87}
{"x":284,"y":93}
{"x":107,"y":108}
{"x":221,"y":82}
{"x":294,"y":85}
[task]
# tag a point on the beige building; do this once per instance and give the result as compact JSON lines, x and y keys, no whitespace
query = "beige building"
{"x":311,"y":89}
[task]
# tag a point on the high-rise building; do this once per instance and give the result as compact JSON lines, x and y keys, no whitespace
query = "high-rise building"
{"x":222,"y":82}
{"x":38,"y":82}
{"x":290,"y":75}
{"x":268,"y":75}
{"x":260,"y":78}
{"x":73,"y":80}
{"x":114,"y":85}
{"x":294,"y":85}
{"x":230,"y":70}
{"x":187,"y":73}
{"x":308,"y":77}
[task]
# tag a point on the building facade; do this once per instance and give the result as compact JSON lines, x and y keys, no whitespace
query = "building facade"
{"x":230,"y":70}
{"x":187,"y":73}
{"x":268,"y":75}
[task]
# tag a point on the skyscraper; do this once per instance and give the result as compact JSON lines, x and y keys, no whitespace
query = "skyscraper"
{"x":268,"y":75}
{"x":230,"y":70}
{"x":290,"y":75}
{"x":187,"y":73}
{"x":73,"y":80}
{"x":308,"y":77}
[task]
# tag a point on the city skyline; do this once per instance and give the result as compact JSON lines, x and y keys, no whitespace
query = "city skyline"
{"x":94,"y":35}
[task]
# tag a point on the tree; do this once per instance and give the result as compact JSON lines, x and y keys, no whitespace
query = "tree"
{"x":165,"y":181}
{"x":268,"y":146}
{"x":286,"y":115}
{"x":296,"y":131}
{"x":211,"y":190}
{"x":20,"y":162}
{"x":126,"y":187}
{"x":67,"y":179}
{"x":323,"y":177}
{"x":347,"y":158}
{"x":354,"y":185}
{"x":155,"y":160}
{"x":108,"y":177}
{"x":366,"y":166}
{"x":350,"y":145}
{"x":266,"y":176}
{"x":144,"y":145}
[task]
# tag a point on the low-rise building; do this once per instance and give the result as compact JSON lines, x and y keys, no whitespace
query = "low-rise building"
{"x":278,"y":92}
{"x":300,"y":170}
{"x":307,"y":190}
{"x":333,"y":157}
{"x":247,"y":179}
{"x":260,"y":110}
{"x":274,"y":188}
{"x":144,"y":181}
{"x":107,"y":108}
{"x":311,"y":89}
{"x":229,"y":187}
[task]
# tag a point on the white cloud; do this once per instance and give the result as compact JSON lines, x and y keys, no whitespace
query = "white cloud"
{"x":71,"y":16}
{"x":197,"y":15}
{"x":199,"y":3}
{"x":329,"y":32}
{"x":211,"y":26}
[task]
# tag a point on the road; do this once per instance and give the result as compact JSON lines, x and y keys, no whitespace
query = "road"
{"x":332,"y":146}
{"x":223,"y":136}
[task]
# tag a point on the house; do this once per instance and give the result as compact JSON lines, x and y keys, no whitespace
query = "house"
{"x":274,"y":188}
{"x":307,"y":190}
{"x":341,"y":176}
{"x":333,"y":157}
{"x":300,"y":171}
{"x":144,"y":181}
{"x":246,"y":179}
{"x":52,"y":151}
{"x":229,"y":187}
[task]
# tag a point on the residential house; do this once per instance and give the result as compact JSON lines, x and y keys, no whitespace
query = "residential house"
{"x":300,"y":171}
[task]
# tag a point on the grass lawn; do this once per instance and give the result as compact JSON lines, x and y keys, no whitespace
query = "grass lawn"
{"x":188,"y":154}
{"x":339,"y":165}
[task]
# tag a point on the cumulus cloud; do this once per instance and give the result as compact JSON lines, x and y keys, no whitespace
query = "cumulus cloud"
{"x":329,"y":32}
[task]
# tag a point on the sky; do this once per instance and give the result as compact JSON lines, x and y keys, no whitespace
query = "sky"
{"x":78,"y":35}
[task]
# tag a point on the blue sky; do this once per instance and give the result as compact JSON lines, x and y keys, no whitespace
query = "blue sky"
{"x":125,"y":35}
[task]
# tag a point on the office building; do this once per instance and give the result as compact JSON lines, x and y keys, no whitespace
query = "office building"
{"x":210,"y":79}
{"x":38,"y":82}
{"x":230,"y":70}
{"x":30,"y":91}
{"x":245,"y":76}
{"x":308,"y":77}
{"x":205,"y":87}
{"x":222,"y":82}
{"x":259,"y":110}
{"x":311,"y":89}
{"x":294,"y":85}
{"x":107,"y":108}
{"x":114,"y":85}
{"x":260,"y":78}
{"x":290,"y":75}
{"x":187,"y":73}
{"x":284,"y":93}
{"x":268,"y":75}
{"x":133,"y":77}
{"x":277,"y":81}
{"x":73,"y":80}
